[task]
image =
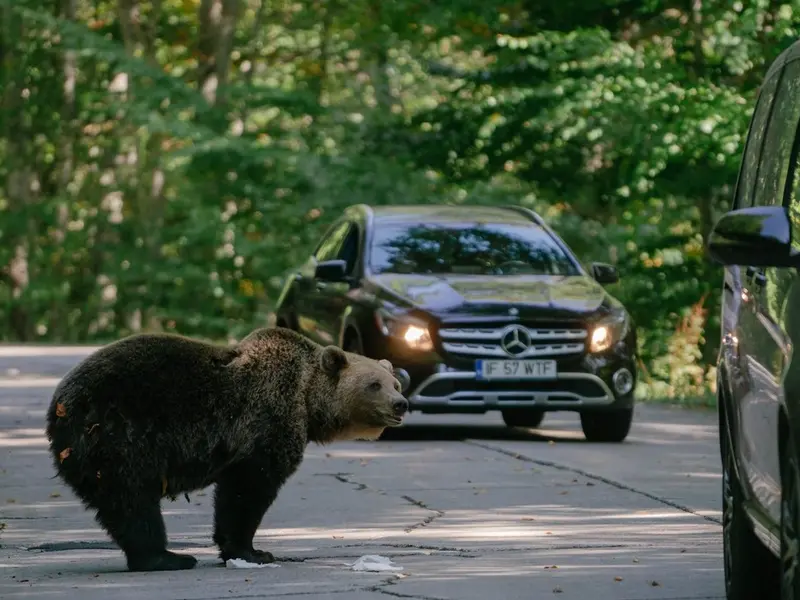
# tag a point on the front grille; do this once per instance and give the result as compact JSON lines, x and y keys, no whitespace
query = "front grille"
{"x":488,"y":341}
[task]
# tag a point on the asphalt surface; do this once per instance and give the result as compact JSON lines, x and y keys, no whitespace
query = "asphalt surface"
{"x":468,"y":508}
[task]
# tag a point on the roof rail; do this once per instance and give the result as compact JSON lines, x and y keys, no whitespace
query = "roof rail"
{"x":531,"y":214}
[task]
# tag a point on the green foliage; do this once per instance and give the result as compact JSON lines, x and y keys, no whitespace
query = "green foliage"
{"x":160,"y":172}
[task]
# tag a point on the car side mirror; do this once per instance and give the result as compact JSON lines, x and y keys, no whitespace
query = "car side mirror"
{"x":405,"y":380}
{"x":331,"y":270}
{"x":758,"y":236}
{"x":604,"y":273}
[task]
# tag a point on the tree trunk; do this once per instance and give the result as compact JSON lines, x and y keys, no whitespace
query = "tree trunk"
{"x":20,"y":179}
{"x":218,"y":19}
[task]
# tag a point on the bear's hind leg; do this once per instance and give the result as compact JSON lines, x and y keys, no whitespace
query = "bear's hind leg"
{"x":242,"y":496}
{"x":136,"y":524}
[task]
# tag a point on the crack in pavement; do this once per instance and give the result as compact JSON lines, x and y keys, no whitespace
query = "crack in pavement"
{"x":600,"y":478}
{"x":381,"y":589}
{"x":427,"y":520}
{"x":347,"y":478}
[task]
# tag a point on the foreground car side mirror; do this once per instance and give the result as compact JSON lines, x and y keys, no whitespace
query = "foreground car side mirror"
{"x":405,"y":380}
{"x":331,"y":270}
{"x":604,"y":273}
{"x":758,"y":236}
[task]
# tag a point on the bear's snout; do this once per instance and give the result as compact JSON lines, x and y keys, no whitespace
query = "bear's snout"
{"x":400,"y":406}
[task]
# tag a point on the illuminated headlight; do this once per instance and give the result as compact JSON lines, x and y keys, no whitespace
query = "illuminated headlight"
{"x":415,"y":334}
{"x":608,"y":332}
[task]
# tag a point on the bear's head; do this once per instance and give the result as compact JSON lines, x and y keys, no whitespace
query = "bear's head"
{"x":367,"y":392}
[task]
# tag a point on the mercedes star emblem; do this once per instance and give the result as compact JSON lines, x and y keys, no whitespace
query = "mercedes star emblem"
{"x":516,"y":340}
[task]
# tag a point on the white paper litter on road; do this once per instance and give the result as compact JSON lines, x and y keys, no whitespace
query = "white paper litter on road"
{"x":238,"y":563}
{"x":374,"y":562}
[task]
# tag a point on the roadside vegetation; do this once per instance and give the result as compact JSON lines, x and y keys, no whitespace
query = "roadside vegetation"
{"x":163,"y":162}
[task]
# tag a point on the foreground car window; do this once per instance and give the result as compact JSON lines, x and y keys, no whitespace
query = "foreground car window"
{"x":468,"y":249}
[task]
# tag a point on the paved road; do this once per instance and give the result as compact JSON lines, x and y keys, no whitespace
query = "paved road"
{"x":468,"y":508}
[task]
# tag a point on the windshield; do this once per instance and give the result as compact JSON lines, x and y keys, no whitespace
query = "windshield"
{"x":468,"y":249}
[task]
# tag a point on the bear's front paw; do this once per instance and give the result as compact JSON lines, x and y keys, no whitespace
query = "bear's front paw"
{"x":251,"y":555}
{"x":263,"y":556}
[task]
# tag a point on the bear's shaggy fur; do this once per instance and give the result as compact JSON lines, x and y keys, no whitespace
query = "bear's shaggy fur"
{"x":154,"y":416}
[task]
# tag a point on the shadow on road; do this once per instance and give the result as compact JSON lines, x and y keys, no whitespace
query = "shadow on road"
{"x":458,"y":433}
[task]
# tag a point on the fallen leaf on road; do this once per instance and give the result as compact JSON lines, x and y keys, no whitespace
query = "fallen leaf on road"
{"x":338,"y":537}
{"x":617,"y":578}
{"x":527,"y":519}
{"x":64,"y":454}
{"x":548,"y":533}
{"x":55,"y":495}
{"x":552,"y":567}
{"x":11,"y":501}
{"x":655,"y":584}
{"x":2,"y":526}
{"x":565,"y":492}
{"x":60,"y":410}
{"x":636,"y":560}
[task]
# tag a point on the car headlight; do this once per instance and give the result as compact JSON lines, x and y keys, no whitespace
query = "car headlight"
{"x":414,"y":333}
{"x":608,"y":331}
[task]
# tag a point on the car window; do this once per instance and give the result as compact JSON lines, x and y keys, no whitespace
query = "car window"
{"x":348,"y":250}
{"x":758,"y":125}
{"x":774,"y":164}
{"x":329,"y":247}
{"x":467,"y":248}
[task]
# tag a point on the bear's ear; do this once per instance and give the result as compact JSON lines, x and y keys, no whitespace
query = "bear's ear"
{"x":333,"y":360}
{"x":386,"y":365}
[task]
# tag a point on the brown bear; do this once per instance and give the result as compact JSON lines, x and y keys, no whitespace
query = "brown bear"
{"x":158,"y":415}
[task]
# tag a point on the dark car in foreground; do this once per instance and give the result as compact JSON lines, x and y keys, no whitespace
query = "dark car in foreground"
{"x":485,"y":308}
{"x":758,"y":380}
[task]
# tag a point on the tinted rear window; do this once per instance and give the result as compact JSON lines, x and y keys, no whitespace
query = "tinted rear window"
{"x":467,"y":248}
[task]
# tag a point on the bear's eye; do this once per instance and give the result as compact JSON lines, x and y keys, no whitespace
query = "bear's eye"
{"x":375,"y":386}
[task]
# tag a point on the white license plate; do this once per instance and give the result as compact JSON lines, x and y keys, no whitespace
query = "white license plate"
{"x":515,"y":369}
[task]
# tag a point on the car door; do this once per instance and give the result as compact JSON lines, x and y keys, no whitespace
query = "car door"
{"x":310,"y":317}
{"x":763,"y":344}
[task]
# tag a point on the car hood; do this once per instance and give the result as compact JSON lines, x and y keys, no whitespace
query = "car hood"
{"x":542,"y":296}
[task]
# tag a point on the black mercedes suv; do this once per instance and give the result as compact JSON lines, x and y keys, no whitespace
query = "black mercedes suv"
{"x":486,"y":308}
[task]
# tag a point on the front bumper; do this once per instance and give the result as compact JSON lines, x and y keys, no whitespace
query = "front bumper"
{"x":461,"y":391}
